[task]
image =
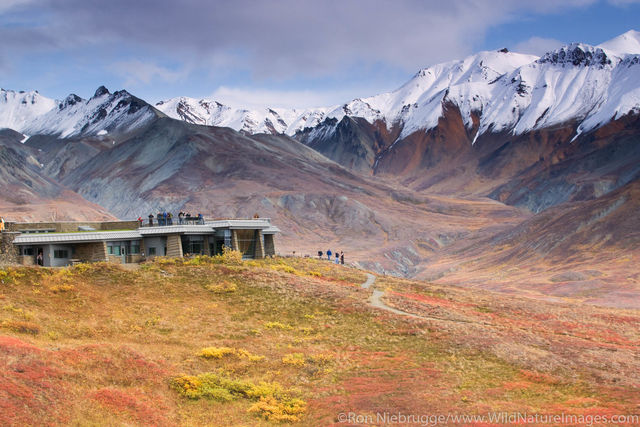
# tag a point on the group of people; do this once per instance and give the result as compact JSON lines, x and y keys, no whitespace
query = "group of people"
{"x":166,"y":218}
{"x":339,"y":256}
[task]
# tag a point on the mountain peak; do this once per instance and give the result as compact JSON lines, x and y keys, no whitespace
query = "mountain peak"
{"x":577,"y":54}
{"x":626,"y":43}
{"x":70,"y":100}
{"x":101,"y":91}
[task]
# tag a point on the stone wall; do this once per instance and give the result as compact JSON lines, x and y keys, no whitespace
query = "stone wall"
{"x":91,"y":252}
{"x":8,"y":252}
{"x":174,"y":246}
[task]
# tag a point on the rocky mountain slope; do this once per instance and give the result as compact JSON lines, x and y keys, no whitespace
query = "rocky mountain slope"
{"x":27,"y":193}
{"x":423,"y":180}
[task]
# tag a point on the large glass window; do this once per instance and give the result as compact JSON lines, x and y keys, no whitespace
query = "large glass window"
{"x":247,"y":242}
{"x":192,"y":245}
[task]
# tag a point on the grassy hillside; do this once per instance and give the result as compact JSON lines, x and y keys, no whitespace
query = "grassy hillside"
{"x":294,"y":340}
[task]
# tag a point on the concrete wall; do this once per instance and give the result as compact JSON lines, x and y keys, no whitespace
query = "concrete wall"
{"x":158,"y":242}
{"x":57,"y":262}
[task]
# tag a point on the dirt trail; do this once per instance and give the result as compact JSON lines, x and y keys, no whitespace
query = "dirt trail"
{"x":375,"y":300}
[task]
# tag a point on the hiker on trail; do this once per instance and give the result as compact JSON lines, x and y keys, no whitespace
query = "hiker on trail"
{"x":150,"y":220}
{"x":337,"y":258}
{"x":341,"y":257}
{"x":329,"y":254}
{"x":320,"y":253}
{"x":1,"y":224}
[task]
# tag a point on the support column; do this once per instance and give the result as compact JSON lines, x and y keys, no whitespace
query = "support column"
{"x":234,"y":240}
{"x":207,"y":250}
{"x":269,"y":245}
{"x":259,"y":252}
{"x":174,"y":246}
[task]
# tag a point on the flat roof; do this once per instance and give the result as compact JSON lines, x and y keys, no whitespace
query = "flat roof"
{"x":263,"y":224}
{"x":90,"y":236}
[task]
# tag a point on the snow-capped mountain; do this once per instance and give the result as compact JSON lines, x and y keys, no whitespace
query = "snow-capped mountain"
{"x":506,"y":91}
{"x":19,"y":109}
{"x":210,"y":112}
{"x":105,"y":112}
{"x":495,"y":91}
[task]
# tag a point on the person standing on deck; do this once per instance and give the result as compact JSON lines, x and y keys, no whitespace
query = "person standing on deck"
{"x":150,"y":220}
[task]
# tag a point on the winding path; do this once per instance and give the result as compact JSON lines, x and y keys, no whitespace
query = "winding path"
{"x":375,"y":300}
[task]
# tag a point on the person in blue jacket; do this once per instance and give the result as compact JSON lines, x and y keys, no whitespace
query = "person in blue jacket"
{"x":329,"y":254}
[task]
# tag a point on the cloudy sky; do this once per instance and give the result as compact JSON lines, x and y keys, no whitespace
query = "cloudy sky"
{"x":277,"y":52}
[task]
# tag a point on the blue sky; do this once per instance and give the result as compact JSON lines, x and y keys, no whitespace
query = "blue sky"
{"x":275,"y":52}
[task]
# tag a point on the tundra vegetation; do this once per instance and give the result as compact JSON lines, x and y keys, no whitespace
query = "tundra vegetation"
{"x":290,"y":340}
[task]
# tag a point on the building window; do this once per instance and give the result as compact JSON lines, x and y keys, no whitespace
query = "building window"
{"x":152,"y":251}
{"x":60,"y":253}
{"x":28,"y":251}
{"x":193,"y":245}
{"x":135,"y":248}
{"x":247,"y":242}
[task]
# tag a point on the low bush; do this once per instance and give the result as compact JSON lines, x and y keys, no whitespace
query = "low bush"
{"x":273,"y":403}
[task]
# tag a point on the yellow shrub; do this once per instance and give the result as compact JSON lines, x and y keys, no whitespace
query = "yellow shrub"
{"x":223,"y":287}
{"x":220,"y":352}
{"x":285,"y":410}
{"x":277,"y":325}
{"x":187,"y":385}
{"x":82,"y":268}
{"x":56,"y":289}
{"x":230,"y":257}
{"x":251,"y":357}
{"x":315,"y":273}
{"x":216,"y":352}
{"x":295,"y":359}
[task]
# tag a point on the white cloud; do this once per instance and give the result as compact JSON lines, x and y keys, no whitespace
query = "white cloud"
{"x":136,"y":72}
{"x":537,"y":46}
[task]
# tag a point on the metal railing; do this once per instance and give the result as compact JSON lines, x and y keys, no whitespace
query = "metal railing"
{"x":162,"y":222}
